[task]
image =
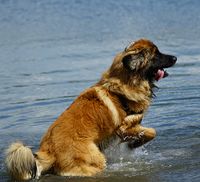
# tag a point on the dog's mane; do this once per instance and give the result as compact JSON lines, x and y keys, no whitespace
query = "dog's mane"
{"x":133,"y":85}
{"x":134,"y":89}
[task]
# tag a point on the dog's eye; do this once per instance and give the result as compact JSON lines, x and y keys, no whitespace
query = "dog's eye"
{"x":156,"y":55}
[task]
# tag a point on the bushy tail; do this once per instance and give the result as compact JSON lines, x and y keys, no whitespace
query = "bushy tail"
{"x":20,"y":161}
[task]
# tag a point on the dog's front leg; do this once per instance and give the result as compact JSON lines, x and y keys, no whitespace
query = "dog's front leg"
{"x":129,"y":122}
{"x":134,"y":133}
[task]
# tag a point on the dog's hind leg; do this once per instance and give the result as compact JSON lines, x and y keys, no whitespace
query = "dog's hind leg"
{"x":88,"y":162}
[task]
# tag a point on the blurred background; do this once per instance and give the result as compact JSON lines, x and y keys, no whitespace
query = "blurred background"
{"x":51,"y":50}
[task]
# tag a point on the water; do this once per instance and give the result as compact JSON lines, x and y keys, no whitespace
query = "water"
{"x":52,"y":50}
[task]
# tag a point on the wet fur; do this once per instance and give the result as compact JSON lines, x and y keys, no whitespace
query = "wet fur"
{"x":113,"y":107}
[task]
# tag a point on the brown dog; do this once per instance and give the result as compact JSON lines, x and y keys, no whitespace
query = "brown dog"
{"x":114,"y":106}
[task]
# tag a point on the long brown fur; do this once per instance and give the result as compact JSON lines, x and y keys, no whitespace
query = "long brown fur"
{"x":112,"y":107}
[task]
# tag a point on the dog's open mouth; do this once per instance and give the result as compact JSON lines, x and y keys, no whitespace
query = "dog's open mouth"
{"x":161,"y":73}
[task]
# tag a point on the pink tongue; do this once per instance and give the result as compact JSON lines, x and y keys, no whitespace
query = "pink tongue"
{"x":160,"y":74}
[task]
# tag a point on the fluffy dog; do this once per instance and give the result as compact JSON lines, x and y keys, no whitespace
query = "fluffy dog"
{"x":112,"y":107}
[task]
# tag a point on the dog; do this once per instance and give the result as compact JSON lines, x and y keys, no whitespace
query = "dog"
{"x":113,"y":107}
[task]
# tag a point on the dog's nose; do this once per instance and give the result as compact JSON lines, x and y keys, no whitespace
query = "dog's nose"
{"x":174,"y":58}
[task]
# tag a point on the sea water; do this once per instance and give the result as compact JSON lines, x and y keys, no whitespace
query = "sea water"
{"x":51,"y":50}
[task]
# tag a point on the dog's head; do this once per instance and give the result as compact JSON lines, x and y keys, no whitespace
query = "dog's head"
{"x":144,"y":59}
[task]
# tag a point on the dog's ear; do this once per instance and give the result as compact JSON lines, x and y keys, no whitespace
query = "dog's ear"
{"x":133,"y":61}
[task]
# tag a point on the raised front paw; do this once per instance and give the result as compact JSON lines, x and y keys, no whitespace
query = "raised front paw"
{"x":137,"y":136}
{"x":130,"y":122}
{"x":134,"y":118}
